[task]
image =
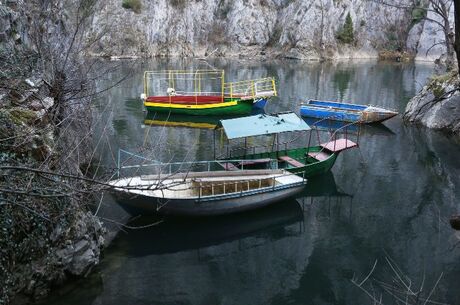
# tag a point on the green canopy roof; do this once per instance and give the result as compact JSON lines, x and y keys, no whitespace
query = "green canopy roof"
{"x":263,"y":124}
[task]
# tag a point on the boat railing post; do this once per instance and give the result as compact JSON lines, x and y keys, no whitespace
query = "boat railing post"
{"x":317,"y":135}
{"x":346,"y":137}
{"x":359,"y":131}
{"x":335,"y":140}
{"x":199,"y":193}
{"x":309,"y":142}
{"x":118,"y":164}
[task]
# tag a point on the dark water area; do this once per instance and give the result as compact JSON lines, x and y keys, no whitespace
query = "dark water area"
{"x":383,"y":208}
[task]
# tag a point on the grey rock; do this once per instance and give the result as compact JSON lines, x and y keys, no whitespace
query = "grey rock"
{"x":64,"y":256}
{"x":82,"y":263}
{"x":81,"y":246}
{"x":441,"y":114}
{"x":236,"y":27}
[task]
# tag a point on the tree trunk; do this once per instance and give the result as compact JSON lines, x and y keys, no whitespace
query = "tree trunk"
{"x":457,"y":31}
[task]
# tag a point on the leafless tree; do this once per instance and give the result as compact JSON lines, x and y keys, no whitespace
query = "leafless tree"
{"x":440,"y":9}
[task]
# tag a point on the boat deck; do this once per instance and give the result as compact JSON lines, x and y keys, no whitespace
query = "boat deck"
{"x":214,"y":183}
{"x":339,"y":145}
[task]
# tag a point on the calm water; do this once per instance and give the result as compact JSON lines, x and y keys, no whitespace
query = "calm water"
{"x":387,"y":202}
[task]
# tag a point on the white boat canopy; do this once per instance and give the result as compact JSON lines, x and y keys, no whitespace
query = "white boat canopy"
{"x":262,"y":124}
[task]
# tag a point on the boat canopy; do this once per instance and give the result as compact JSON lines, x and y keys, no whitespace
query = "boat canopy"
{"x":262,"y":124}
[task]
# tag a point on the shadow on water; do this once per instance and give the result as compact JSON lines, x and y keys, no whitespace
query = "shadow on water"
{"x":177,"y":234}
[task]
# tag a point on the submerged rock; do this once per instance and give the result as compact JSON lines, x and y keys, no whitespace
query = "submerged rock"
{"x":455,"y":222}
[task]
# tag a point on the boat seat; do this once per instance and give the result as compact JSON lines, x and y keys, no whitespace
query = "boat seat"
{"x":255,"y":161}
{"x":228,"y":166}
{"x":338,"y":145}
{"x":291,"y":161}
{"x":320,"y":156}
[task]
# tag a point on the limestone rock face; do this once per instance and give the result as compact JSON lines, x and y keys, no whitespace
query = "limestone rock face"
{"x":426,"y":38}
{"x":437,"y":106}
{"x":300,"y":29}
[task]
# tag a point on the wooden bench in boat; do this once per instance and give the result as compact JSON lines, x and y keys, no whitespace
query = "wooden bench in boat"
{"x":228,"y":166}
{"x":254,"y":161}
{"x":339,"y":145}
{"x":291,"y":161}
{"x":320,"y":156}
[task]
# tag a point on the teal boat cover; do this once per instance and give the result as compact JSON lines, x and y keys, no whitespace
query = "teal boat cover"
{"x":262,"y":124}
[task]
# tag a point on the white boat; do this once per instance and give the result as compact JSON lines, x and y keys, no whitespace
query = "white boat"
{"x":205,"y":193}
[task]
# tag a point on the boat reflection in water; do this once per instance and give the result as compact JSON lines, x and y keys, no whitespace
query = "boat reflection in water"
{"x":177,"y":234}
{"x":352,"y":128}
{"x":206,"y":261}
{"x":324,"y":193}
{"x":188,"y":121}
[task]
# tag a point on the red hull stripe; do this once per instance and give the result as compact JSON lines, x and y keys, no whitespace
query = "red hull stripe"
{"x":185,"y":99}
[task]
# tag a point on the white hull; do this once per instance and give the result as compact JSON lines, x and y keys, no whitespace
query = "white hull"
{"x":181,"y":199}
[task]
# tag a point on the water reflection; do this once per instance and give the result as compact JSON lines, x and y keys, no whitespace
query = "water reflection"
{"x":341,"y":80}
{"x":346,"y":127}
{"x":190,"y":261}
{"x":391,"y":197}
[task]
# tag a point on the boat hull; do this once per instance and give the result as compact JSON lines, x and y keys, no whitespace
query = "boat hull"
{"x":203,"y":105}
{"x":311,"y":168}
{"x":218,"y":205}
{"x":260,"y":103}
{"x":345,"y":112}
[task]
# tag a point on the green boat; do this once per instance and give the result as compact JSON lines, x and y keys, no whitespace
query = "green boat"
{"x":306,"y":161}
{"x":204,"y":93}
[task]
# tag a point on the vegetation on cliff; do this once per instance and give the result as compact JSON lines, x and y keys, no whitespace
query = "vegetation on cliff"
{"x":346,"y":33}
{"x":47,"y":232}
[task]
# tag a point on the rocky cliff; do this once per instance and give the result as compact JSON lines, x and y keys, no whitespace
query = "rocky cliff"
{"x":269,"y":28}
{"x":47,"y":232}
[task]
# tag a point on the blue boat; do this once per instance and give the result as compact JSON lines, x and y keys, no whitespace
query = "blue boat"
{"x":345,"y":112}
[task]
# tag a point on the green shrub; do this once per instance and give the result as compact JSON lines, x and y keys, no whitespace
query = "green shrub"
{"x":346,"y":35}
{"x":178,"y":3}
{"x":418,"y":14}
{"x":134,"y":5}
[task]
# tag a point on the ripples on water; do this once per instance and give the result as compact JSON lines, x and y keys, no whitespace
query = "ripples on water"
{"x":389,"y":200}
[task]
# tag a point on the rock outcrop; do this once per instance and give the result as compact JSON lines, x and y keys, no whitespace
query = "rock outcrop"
{"x":437,"y":105}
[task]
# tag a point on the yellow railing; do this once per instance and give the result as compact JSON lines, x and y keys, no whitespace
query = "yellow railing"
{"x":199,"y":82}
{"x":194,"y":78}
{"x":250,"y":89}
